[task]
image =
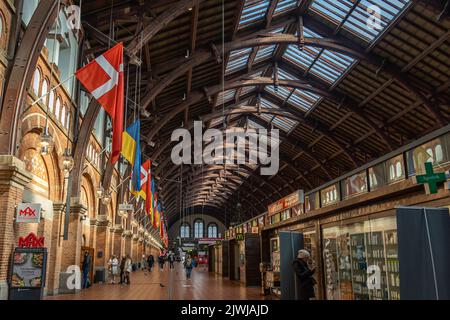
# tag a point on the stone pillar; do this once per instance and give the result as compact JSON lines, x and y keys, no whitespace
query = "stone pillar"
{"x":117,"y":240}
{"x":135,"y":256}
{"x":92,"y":234}
{"x":13,"y":179}
{"x":101,"y":246}
{"x":71,"y":248}
{"x":55,"y":253}
{"x":127,"y":234}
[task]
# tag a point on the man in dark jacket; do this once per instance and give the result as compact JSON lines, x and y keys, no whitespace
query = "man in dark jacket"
{"x":122,"y":270}
{"x":151,"y":262}
{"x":86,"y":269}
{"x":305,"y":281}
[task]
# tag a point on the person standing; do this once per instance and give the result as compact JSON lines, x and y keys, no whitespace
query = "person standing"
{"x":128,"y":269}
{"x":113,"y":264}
{"x":151,"y":262}
{"x":122,"y":270}
{"x":87,"y":261}
{"x":188,"y":265}
{"x":305,"y":281}
{"x":171,"y":260}
{"x":143,"y":262}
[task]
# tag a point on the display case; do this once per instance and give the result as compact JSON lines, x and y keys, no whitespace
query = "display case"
{"x":349,"y":250}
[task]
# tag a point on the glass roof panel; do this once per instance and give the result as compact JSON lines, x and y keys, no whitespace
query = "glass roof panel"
{"x":225,"y":96}
{"x":238,"y":60}
{"x":253,"y":11}
{"x":264,"y":52}
{"x":281,"y":122}
{"x":330,"y":66}
{"x":282,"y":92}
{"x":303,"y":99}
{"x":284,"y":5}
{"x":366,"y":19}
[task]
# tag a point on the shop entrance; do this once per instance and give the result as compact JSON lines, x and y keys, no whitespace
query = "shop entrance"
{"x":91,"y":271}
{"x":234,"y":273}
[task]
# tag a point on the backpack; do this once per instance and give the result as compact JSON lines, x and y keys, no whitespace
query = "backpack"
{"x":188,"y":263}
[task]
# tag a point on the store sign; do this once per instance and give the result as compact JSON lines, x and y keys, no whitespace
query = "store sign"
{"x":31,"y":241}
{"x":240,"y":237}
{"x":430,"y":179}
{"x":255,"y":230}
{"x":287,"y":202}
{"x":126,"y":207}
{"x":209,"y":240}
{"x":28,"y":213}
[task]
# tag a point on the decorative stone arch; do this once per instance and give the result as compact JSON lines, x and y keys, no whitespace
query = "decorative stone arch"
{"x":31,"y":157}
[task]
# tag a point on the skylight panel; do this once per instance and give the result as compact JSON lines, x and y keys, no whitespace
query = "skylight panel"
{"x":283,"y":123}
{"x":284,"y":75}
{"x":284,"y":5}
{"x":282,"y":92}
{"x":225,"y":96}
{"x":303,"y":58}
{"x":264,"y":52}
{"x":238,"y":60}
{"x":253,"y":11}
{"x":330,"y":66}
{"x":247,"y":89}
{"x":303,"y":100}
{"x":360,"y":17}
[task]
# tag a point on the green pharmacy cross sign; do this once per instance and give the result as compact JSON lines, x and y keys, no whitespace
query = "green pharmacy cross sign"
{"x":430,"y":179}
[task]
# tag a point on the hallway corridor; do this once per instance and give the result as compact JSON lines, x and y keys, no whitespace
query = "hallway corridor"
{"x":146,"y":286}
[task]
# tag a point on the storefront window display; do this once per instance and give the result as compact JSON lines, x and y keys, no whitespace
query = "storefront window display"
{"x":309,"y":243}
{"x":350,"y":250}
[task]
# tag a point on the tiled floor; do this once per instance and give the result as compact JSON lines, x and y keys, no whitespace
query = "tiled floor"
{"x":146,"y":286}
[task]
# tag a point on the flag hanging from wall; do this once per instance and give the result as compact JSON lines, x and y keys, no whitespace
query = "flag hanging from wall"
{"x":145,"y":181}
{"x":131,"y":150}
{"x":104,"y":79}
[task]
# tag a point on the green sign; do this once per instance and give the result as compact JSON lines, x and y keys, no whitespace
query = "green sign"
{"x":430,"y":179}
{"x":240,"y":237}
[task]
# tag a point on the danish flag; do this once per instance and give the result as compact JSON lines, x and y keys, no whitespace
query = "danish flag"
{"x":104,"y":79}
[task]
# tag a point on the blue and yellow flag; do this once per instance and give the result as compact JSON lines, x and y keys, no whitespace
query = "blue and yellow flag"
{"x":131,"y":150}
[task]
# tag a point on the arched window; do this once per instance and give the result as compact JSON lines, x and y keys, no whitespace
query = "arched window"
{"x":212,"y":230}
{"x":198,"y":228}
{"x":439,"y":153}
{"x":63,"y":115}
{"x":51,"y":101}
{"x":36,"y":81}
{"x":68,"y":120}
{"x":185,"y":230}
{"x":399,"y":169}
{"x":58,"y":108}
{"x":44,"y":90}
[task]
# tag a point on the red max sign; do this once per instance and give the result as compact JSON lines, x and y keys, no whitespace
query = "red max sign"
{"x":28,"y":213}
{"x":31,"y":241}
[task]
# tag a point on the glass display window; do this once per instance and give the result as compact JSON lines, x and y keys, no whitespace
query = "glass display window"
{"x":286,"y":214}
{"x":329,"y":195}
{"x":354,"y":185}
{"x":350,"y":250}
{"x":436,"y":151}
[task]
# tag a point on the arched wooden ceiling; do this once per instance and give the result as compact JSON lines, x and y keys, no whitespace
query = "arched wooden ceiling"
{"x":352,"y":94}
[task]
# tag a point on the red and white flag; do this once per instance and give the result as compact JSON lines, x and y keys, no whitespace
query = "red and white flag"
{"x":104,"y":79}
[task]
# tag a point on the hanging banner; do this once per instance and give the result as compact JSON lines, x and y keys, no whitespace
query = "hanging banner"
{"x":287,"y":202}
{"x":28,"y":213}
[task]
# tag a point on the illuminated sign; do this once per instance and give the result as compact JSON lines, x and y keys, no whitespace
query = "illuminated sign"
{"x":28,"y":213}
{"x":31,"y":241}
{"x":287,"y":202}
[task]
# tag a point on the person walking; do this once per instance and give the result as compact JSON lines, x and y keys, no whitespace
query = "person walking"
{"x":128,"y":269}
{"x":171,"y":260}
{"x":87,"y":261}
{"x":113,"y":265}
{"x":188,"y":265}
{"x":305,"y":281}
{"x":143,"y":262}
{"x":151,"y":262}
{"x":122,"y":269}
{"x":161,"y":262}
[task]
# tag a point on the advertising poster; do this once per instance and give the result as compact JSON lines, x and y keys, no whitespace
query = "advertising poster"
{"x":28,"y":268}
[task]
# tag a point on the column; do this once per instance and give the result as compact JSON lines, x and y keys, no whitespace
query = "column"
{"x":135,"y":257}
{"x":55,"y":253}
{"x":13,"y":179}
{"x":127,"y":234}
{"x":117,"y":240}
{"x":101,"y":256}
{"x":71,"y":248}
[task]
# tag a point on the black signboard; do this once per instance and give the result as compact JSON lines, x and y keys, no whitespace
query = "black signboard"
{"x":27,"y":274}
